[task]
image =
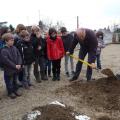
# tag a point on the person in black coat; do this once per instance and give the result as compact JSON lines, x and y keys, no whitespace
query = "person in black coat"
{"x":39,"y":45}
{"x":17,"y":39}
{"x":26,"y":50}
{"x":88,"y":44}
{"x":67,"y":42}
{"x":11,"y":60}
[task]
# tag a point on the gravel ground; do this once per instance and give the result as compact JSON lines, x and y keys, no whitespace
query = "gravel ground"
{"x":43,"y":93}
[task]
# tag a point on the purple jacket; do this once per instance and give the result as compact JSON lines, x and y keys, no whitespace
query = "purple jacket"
{"x":10,"y":58}
{"x":90,"y":44}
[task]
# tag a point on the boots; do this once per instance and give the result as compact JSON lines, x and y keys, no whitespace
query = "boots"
{"x":58,"y":77}
{"x":37,"y":77}
{"x":73,"y":78}
{"x":43,"y":76}
{"x":54,"y":77}
{"x":49,"y":73}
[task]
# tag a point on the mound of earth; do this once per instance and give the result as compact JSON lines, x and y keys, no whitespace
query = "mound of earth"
{"x":54,"y":112}
{"x":102,"y":95}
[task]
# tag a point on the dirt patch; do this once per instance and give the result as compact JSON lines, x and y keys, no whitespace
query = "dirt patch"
{"x":104,"y":118}
{"x":55,"y":112}
{"x":102,"y":95}
{"x":52,"y":112}
{"x":108,"y":72}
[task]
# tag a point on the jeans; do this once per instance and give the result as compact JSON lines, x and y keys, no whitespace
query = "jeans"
{"x":48,"y":67}
{"x":67,"y":58}
{"x":11,"y":83}
{"x":98,"y":61}
{"x":26,"y":74}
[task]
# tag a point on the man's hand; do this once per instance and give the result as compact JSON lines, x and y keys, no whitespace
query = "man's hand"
{"x":67,"y":53}
{"x":93,"y":66}
{"x":18,"y":67}
{"x":39,"y":48}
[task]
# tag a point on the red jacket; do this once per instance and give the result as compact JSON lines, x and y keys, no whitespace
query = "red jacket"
{"x":55,"y":48}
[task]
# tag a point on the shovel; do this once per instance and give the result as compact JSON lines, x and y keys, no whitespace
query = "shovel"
{"x":106,"y":71}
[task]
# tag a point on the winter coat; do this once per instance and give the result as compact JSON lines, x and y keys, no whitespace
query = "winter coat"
{"x":39,"y":45}
{"x":17,"y":38}
{"x":100,"y":46}
{"x":90,"y":44}
{"x":67,"y":41}
{"x":26,"y":51}
{"x":10,"y":58}
{"x":55,"y":48}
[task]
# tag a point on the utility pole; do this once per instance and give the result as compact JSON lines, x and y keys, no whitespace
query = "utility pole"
{"x":77,"y":22}
{"x":39,"y":15}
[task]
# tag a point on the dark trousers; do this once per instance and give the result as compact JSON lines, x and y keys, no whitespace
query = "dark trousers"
{"x":20,"y":76}
{"x":56,"y":65}
{"x":42,"y":62}
{"x":36,"y":65}
{"x":48,"y":67}
{"x":83,"y":52}
{"x":11,"y":83}
{"x":98,"y":61}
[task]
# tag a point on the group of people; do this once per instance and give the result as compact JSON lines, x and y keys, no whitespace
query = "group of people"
{"x":21,"y":50}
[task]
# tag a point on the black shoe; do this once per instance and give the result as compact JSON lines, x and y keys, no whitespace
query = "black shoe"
{"x":19,"y":85}
{"x":12,"y":96}
{"x":43,"y":76}
{"x":67,"y":73}
{"x":38,"y":80}
{"x":73,"y":72}
{"x":30,"y":84}
{"x":58,"y":77}
{"x":54,"y":78}
{"x":99,"y":68}
{"x":92,"y":79}
{"x":73,"y":78}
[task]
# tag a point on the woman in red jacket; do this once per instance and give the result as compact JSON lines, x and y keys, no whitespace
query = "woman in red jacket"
{"x":55,"y":51}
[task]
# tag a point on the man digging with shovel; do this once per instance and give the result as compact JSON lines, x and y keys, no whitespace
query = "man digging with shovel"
{"x":88,"y":44}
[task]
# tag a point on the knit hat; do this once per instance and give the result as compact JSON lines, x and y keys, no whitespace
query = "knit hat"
{"x":52,"y":30}
{"x":63,"y":29}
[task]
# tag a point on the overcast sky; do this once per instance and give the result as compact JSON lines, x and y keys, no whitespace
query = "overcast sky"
{"x":92,"y":14}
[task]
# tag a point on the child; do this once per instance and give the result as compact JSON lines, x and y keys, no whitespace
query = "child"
{"x":101,"y":45}
{"x":48,"y":62}
{"x":48,"y":67}
{"x":55,"y":51}
{"x":39,"y":45}
{"x":67,"y":41}
{"x":26,"y":49}
{"x":12,"y":61}
{"x":17,"y":39}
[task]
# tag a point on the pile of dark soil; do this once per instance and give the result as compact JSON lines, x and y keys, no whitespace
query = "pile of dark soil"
{"x":51,"y":112}
{"x":55,"y":112}
{"x":104,"y":93}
